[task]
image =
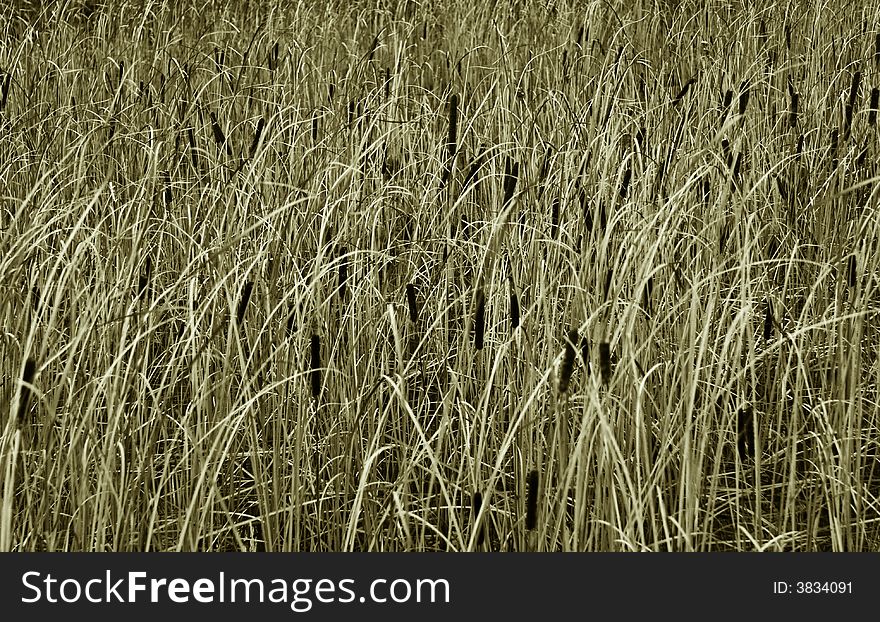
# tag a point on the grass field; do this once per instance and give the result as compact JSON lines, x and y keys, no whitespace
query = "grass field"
{"x":471,"y":275}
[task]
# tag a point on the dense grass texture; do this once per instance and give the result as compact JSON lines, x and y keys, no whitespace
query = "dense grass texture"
{"x":468,"y":275}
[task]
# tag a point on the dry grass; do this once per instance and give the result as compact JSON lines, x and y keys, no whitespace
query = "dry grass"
{"x":350,"y":278}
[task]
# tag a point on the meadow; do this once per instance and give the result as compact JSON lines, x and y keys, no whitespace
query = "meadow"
{"x":518,"y":275}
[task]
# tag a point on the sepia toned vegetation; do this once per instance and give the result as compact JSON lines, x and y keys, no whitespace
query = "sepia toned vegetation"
{"x":382,"y":276}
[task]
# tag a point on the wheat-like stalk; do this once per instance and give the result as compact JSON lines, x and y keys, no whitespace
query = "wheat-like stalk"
{"x":258,"y":134}
{"x":479,"y":318}
{"x":315,"y":365}
{"x":793,"y":107}
{"x":514,"y":306}
{"x":27,"y":379}
{"x":684,"y":90}
{"x":832,"y":150}
{"x":4,"y":90}
{"x":343,"y":273}
{"x":511,"y":176}
{"x":768,"y":320}
{"x":144,"y":278}
{"x":744,"y":94}
{"x":219,"y":136}
{"x":566,"y":367}
{"x":243,"y":299}
{"x":605,"y":362}
{"x":851,"y":267}
{"x":452,"y":136}
{"x":193,"y":149}
{"x":745,"y":432}
{"x":875,"y":104}
{"x":411,"y":303}
{"x":532,"y":501}
{"x":851,"y":102}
